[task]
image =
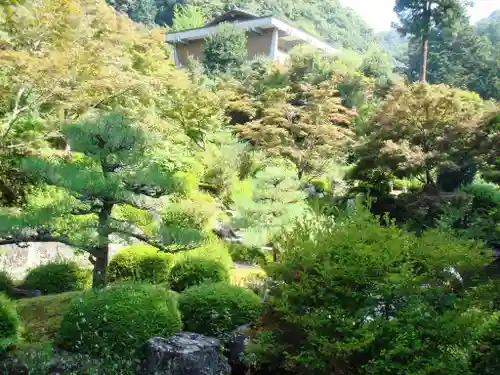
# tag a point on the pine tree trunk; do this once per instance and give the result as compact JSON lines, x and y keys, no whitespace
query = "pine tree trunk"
{"x":429,"y":178}
{"x":102,"y":253}
{"x":425,"y":55}
{"x":99,"y":276}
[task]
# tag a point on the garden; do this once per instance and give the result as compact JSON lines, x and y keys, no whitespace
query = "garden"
{"x":326,"y":215}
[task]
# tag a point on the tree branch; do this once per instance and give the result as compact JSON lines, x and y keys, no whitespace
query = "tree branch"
{"x":153,"y":243}
{"x":23,"y":240}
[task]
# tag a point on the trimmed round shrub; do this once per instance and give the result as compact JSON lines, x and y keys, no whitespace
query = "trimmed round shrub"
{"x":6,"y":283}
{"x":194,"y":271}
{"x":218,"y":309}
{"x":214,"y":249}
{"x":119,"y":319}
{"x":10,"y":324}
{"x":58,"y":277}
{"x":140,"y":262}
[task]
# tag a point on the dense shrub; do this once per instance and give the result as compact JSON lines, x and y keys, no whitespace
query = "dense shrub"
{"x":10,"y":325}
{"x":58,"y":277}
{"x":217,"y":309}
{"x":247,"y":254}
{"x":194,"y":271}
{"x":118,"y":319}
{"x":140,"y":262}
{"x":355,"y":297}
{"x":225,"y":50}
{"x":321,"y":185}
{"x":477,"y":215}
{"x":213,"y":249}
{"x":6,"y":283}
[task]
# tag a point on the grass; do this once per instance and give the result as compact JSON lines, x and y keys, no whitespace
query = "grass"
{"x":241,"y":276}
{"x":41,"y":316}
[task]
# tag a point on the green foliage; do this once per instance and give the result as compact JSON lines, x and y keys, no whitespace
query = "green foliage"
{"x":213,"y":249}
{"x":118,"y":320}
{"x":361,"y":298}
{"x":485,"y":358}
{"x":114,"y":161}
{"x":376,"y":63}
{"x":277,"y":200}
{"x":58,"y":277}
{"x":140,"y":262}
{"x":218,"y":309}
{"x":187,"y":17}
{"x":195,"y":270}
{"x":143,"y":11}
{"x":247,"y":254}
{"x":460,"y":58}
{"x":417,"y":129}
{"x":419,"y":17}
{"x":476,"y":216}
{"x":226,"y":50}
{"x":10,"y":325}
{"x":321,"y":185}
{"x":6,"y":283}
{"x":330,"y":20}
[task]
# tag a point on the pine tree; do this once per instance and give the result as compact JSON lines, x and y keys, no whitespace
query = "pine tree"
{"x":112,"y":163}
{"x":275,"y":202}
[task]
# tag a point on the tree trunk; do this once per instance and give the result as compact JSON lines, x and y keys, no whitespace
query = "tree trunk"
{"x":425,"y":55}
{"x":300,"y":173}
{"x":99,"y":275}
{"x":427,"y":14}
{"x":102,"y":253}
{"x":428,"y":177}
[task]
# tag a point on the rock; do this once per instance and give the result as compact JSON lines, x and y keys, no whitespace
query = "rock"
{"x":183,"y":354}
{"x":227,"y":233}
{"x":234,"y":349}
{"x":26,"y":293}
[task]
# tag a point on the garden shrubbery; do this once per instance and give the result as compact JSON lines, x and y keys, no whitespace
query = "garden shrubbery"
{"x":247,"y":254}
{"x":118,"y":319}
{"x":10,"y":325}
{"x":356,"y":297}
{"x":193,"y":270}
{"x":6,"y":283}
{"x":140,"y":262}
{"x":214,"y":249}
{"x":218,"y":309}
{"x":58,"y":277}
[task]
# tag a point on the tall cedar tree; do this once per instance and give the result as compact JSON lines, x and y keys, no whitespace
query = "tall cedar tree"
{"x":307,"y":126}
{"x":419,"y":17}
{"x":420,"y":128}
{"x":110,"y":165}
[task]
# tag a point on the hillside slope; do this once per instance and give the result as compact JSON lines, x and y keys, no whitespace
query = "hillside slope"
{"x":328,"y":19}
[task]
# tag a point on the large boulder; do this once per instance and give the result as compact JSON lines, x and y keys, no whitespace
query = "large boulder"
{"x":184,"y":354}
{"x":234,"y":349}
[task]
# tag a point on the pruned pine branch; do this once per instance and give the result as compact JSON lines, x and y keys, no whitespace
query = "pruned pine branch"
{"x":154,"y":243}
{"x":23,"y":240}
{"x":146,"y":190}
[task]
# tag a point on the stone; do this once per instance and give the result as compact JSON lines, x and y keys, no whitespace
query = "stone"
{"x":234,"y":349}
{"x":26,"y":293}
{"x":185,"y":353}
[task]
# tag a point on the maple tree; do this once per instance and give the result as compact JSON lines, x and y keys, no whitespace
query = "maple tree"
{"x":307,"y":126}
{"x":419,"y":128}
